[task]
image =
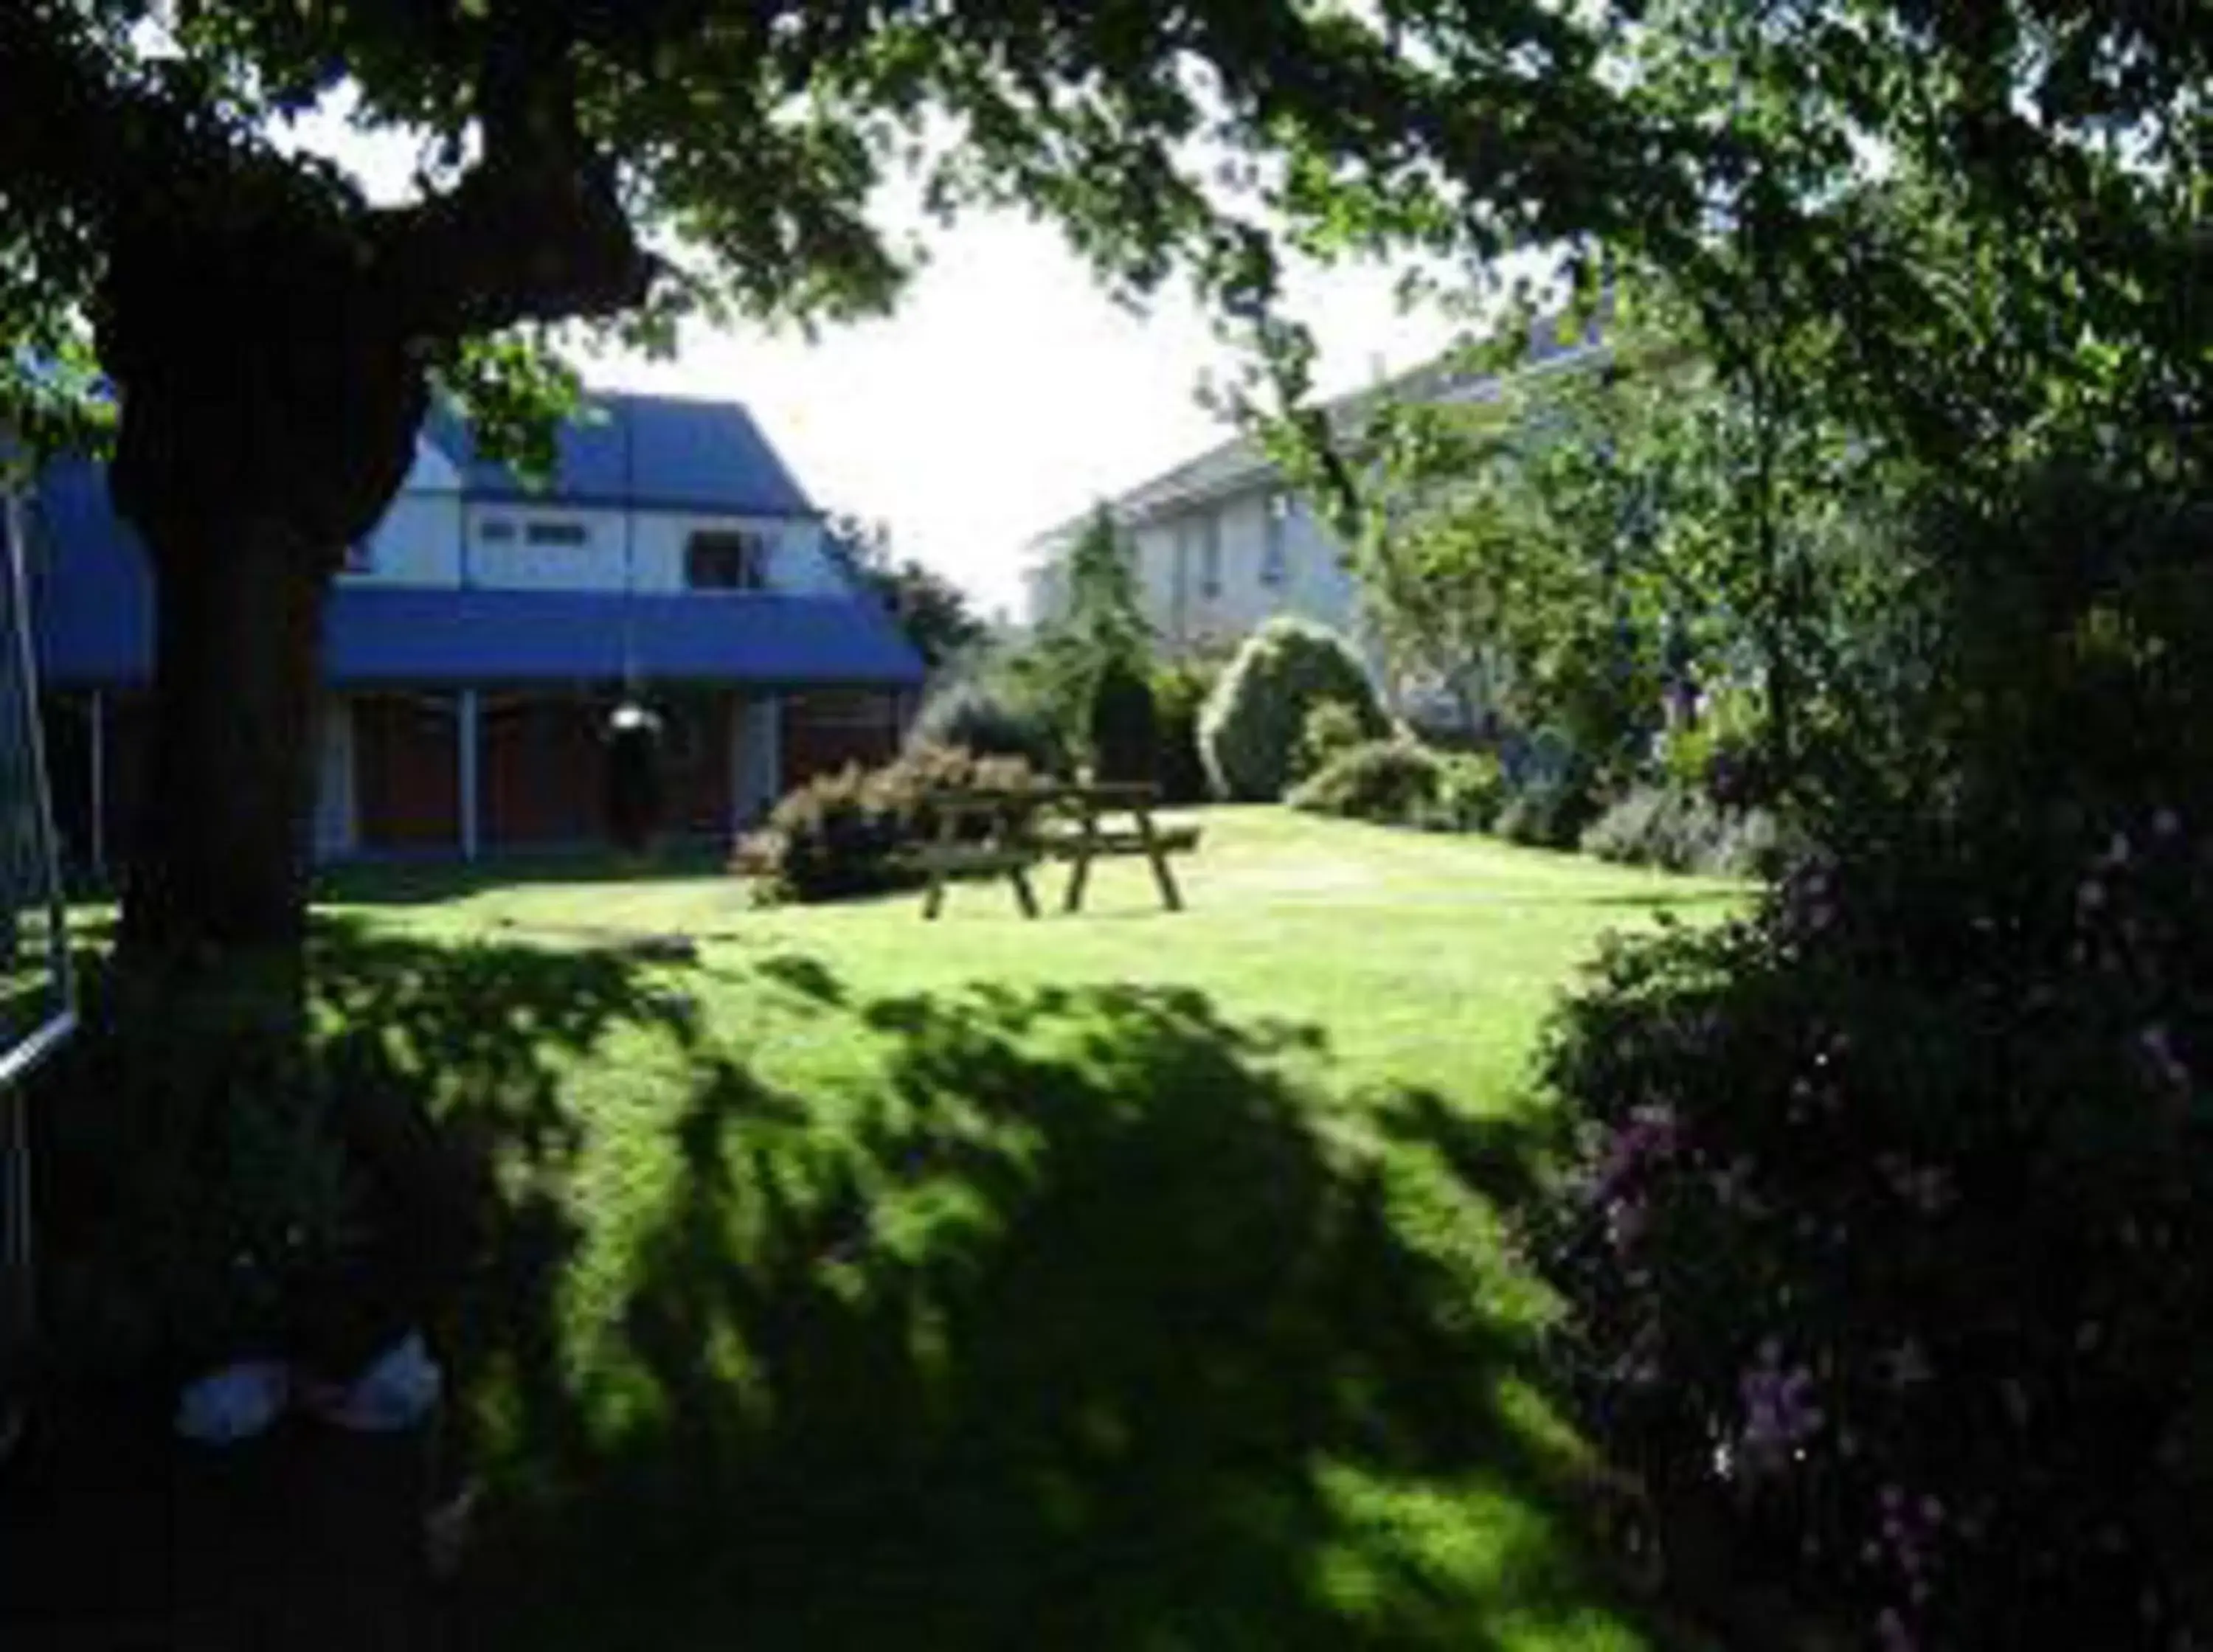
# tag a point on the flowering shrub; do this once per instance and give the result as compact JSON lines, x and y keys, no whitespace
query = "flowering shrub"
{"x":1891,"y":1225}
{"x":849,"y":833}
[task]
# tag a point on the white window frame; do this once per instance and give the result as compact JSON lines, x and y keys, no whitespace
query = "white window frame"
{"x":758,"y":551}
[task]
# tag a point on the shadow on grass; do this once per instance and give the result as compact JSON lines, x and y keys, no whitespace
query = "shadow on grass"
{"x":401,"y":882}
{"x":1065,"y":1322}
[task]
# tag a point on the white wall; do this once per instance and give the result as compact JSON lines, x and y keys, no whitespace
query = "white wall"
{"x":418,"y":543}
{"x":798,"y":562}
{"x":1169,"y":561}
{"x":515,"y":565}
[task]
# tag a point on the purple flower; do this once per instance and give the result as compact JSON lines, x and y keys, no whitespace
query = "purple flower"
{"x":1779,"y":1413}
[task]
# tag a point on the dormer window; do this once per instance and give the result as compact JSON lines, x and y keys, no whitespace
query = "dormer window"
{"x":555,"y":532}
{"x":724,"y":560}
{"x":495,"y":530}
{"x":360,"y":558}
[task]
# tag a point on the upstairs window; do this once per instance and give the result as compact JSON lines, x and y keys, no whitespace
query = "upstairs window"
{"x":360,"y":558}
{"x":558,"y":533}
{"x":1275,"y":554}
{"x":495,"y":530}
{"x":1210,"y":555}
{"x":723,"y":560}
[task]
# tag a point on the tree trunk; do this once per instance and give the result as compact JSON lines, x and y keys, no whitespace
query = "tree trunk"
{"x":220,"y":863}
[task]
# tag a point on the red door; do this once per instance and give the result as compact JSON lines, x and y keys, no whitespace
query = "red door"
{"x":407,"y":770}
{"x":543,"y":769}
{"x":825,"y":730}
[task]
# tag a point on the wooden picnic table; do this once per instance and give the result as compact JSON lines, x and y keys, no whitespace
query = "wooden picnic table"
{"x":1013,"y":837}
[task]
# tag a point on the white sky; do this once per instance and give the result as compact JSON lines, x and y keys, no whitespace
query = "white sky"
{"x":1007,"y":392}
{"x":1005,"y":395}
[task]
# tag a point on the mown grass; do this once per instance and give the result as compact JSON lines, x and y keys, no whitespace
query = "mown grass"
{"x":1126,"y":1280}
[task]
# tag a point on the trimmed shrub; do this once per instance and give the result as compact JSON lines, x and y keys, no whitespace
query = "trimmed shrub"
{"x":1393,"y":781}
{"x":1332,"y":729}
{"x":1250,"y":729}
{"x":1681,"y":830}
{"x":1470,"y":790}
{"x":973,"y":717}
{"x":1178,"y":692}
{"x":1403,"y":783}
{"x":849,"y":833}
{"x":1124,"y":725}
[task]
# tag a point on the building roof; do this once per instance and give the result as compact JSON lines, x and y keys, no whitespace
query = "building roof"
{"x":94,"y":621}
{"x":655,"y":452}
{"x":1239,"y":463}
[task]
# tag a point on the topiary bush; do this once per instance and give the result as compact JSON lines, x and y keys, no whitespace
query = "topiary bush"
{"x":1250,"y":729}
{"x":1124,"y":727}
{"x":852,"y":833}
{"x":985,"y":722}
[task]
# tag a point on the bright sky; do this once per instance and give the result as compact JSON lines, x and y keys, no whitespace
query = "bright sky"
{"x":1007,"y":392}
{"x":1005,"y":395}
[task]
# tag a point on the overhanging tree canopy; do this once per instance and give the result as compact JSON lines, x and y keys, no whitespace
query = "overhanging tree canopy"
{"x":274,"y":335}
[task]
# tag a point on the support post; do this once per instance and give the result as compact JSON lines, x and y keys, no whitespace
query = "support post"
{"x":469,"y":709}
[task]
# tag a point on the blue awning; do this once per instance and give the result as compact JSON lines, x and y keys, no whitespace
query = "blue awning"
{"x":417,"y":635}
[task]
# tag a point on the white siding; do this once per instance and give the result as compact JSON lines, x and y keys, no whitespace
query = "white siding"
{"x":798,"y":561}
{"x":418,"y":543}
{"x":1169,"y":558}
{"x":517,"y":564}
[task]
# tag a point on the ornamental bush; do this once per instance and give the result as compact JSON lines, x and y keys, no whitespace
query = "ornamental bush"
{"x":852,"y":832}
{"x":985,"y":721}
{"x":1889,"y":1241}
{"x":1178,"y":692}
{"x":1124,"y":729}
{"x":1250,"y":730}
{"x":1402,"y":783}
{"x":1682,"y":830}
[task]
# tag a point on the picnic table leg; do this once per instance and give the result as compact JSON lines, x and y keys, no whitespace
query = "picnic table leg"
{"x":1171,"y":897}
{"x":934,"y":902}
{"x":1080,"y":873}
{"x":1011,"y":834}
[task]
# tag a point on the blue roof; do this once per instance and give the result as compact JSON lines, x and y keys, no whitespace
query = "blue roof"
{"x":654,"y":451}
{"x":418,"y":634}
{"x":93,"y":613}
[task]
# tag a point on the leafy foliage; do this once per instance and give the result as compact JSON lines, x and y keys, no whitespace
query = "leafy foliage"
{"x":989,"y":721}
{"x":1125,"y":729}
{"x":1890,"y":1214}
{"x":851,"y":833}
{"x":1332,"y":729}
{"x":1250,"y":730}
{"x":1682,"y":829}
{"x":933,"y":611}
{"x":1180,"y":691}
{"x":1400,"y":782}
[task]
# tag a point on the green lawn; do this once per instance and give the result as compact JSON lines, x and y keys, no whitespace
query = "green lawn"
{"x":1128,"y":1280}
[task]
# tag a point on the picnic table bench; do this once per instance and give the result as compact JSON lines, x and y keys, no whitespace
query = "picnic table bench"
{"x":1011,"y":830}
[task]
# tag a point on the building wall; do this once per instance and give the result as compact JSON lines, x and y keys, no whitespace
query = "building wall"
{"x":430,"y":538}
{"x":1168,"y":556}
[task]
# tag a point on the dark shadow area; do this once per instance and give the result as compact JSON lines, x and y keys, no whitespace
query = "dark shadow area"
{"x":1070,"y":1328}
{"x":402,"y":883}
{"x":1501,"y":1157}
